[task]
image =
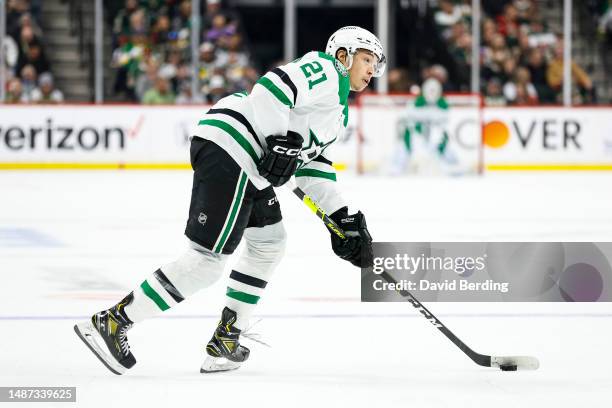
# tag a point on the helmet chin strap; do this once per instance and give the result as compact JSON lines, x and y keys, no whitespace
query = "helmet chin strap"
{"x":349,"y":61}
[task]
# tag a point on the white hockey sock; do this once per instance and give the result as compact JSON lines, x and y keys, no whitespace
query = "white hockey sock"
{"x":198,"y":268}
{"x":264,"y":249}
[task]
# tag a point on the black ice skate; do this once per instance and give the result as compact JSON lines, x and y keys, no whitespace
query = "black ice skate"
{"x":105,"y":335}
{"x":224,"y":351}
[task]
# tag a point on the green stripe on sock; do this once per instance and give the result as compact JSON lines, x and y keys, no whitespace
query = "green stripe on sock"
{"x":276,"y":91}
{"x":315,"y":173}
{"x":154,"y":296}
{"x":229,"y":129}
{"x":234,"y":212}
{"x":241,"y":296}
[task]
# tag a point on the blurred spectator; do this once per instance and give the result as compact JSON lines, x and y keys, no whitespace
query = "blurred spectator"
{"x":448,"y":15}
{"x":220,"y":30}
{"x":521,"y":91}
{"x":26,"y":20}
{"x":554,"y":75}
{"x":209,"y":60}
{"x":161,"y":34}
{"x":121,"y":23}
{"x":250,"y":77}
{"x":14,"y":10}
{"x":215,"y":89}
{"x":14,"y":92}
{"x":185,"y":95}
{"x":34,"y":56}
{"x":522,"y":50}
{"x":494,"y":56}
{"x":507,"y":23}
{"x":489,"y":29}
{"x":181,"y":25}
{"x":438,"y":72}
{"x":213,"y":7}
{"x":236,"y":61}
{"x":399,"y":80}
{"x":127,"y":59}
{"x":29,"y":80}
{"x":493,"y":93}
{"x":526,"y":10}
{"x":160,"y":94}
{"x":46,"y":92}
{"x":138,"y":23}
{"x":537,"y":68}
{"x":169,"y":69}
{"x":183,"y":74}
{"x":147,"y":81}
{"x":539,"y":37}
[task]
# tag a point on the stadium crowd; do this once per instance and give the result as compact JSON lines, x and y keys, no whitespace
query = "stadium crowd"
{"x":521,"y":59}
{"x":152,"y":53}
{"x":28,"y":72}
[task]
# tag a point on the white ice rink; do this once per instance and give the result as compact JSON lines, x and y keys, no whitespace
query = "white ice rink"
{"x":73,"y":243}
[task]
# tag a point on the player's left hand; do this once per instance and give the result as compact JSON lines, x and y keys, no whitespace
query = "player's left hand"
{"x":278,"y":165}
{"x":357,"y":247}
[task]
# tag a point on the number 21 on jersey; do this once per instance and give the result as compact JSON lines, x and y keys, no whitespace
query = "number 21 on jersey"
{"x":312,"y":69}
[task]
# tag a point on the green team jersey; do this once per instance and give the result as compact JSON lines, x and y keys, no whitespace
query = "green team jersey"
{"x":421,"y":117}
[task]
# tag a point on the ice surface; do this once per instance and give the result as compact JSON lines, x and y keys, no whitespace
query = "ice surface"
{"x":72,"y":243}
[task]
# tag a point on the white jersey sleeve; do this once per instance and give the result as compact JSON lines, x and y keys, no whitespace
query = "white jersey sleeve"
{"x":318,"y":179}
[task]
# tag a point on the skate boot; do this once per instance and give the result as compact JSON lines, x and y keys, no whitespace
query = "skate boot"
{"x":224,"y":352}
{"x":105,"y":335}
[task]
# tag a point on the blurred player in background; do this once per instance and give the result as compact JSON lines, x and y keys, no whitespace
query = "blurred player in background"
{"x":245,"y":145}
{"x":423,"y":133}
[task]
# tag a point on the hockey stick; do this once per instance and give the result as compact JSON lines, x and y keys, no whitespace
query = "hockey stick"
{"x":505,"y":363}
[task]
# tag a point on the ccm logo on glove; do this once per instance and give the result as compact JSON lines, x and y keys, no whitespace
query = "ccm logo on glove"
{"x":280,"y":162}
{"x":285,"y":151}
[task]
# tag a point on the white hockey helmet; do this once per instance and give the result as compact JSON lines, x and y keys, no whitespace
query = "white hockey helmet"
{"x":353,"y":38}
{"x":431,"y":90}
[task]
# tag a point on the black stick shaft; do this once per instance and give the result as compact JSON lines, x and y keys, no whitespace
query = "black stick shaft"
{"x":478,"y":358}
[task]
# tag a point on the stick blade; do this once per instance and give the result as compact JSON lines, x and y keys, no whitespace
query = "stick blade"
{"x":520,"y":362}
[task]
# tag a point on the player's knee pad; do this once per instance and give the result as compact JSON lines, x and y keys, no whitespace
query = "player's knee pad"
{"x":196,"y":269}
{"x":264,"y":249}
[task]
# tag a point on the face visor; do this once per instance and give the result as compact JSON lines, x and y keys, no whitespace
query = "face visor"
{"x":379,"y":66}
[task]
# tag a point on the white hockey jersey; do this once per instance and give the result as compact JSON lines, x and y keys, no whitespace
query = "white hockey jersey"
{"x":308,"y":96}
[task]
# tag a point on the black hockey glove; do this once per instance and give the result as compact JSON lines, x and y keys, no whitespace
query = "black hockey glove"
{"x":278,"y":165}
{"x":357,"y":247}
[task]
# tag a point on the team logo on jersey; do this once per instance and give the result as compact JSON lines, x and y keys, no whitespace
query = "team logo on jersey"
{"x":341,"y":69}
{"x":202,"y":218}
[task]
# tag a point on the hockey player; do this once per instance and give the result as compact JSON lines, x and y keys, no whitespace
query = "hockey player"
{"x":423,"y":131}
{"x":245,"y":145}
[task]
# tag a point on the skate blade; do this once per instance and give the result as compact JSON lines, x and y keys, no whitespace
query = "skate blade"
{"x":92,"y":339}
{"x":218,"y":364}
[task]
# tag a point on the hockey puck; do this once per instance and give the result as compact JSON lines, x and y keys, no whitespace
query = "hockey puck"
{"x":508,"y":367}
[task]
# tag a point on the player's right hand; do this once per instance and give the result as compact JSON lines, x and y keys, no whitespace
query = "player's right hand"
{"x":280,"y":162}
{"x":357,"y":246}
